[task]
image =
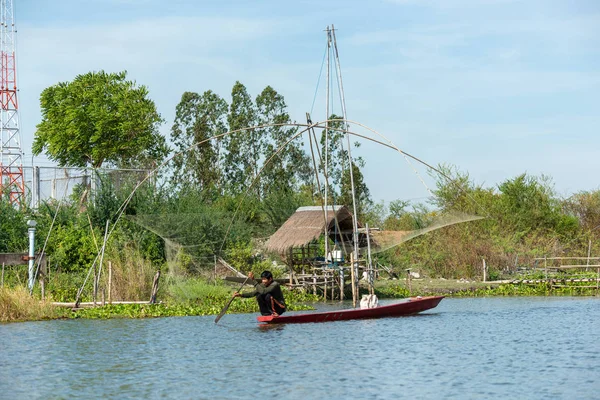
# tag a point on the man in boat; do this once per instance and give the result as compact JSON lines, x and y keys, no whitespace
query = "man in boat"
{"x":268,"y":294}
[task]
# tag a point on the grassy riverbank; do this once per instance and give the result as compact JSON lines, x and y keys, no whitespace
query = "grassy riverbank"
{"x":17,"y":305}
{"x":197,"y":297}
{"x":181,"y":298}
{"x":467,"y":288}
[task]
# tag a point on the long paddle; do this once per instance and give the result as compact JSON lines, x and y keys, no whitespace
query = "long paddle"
{"x":224,"y":310}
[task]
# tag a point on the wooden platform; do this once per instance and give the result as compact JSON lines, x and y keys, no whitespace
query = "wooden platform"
{"x":89,"y":304}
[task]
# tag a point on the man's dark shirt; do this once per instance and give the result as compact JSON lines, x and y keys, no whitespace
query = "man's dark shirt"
{"x":274,"y":289}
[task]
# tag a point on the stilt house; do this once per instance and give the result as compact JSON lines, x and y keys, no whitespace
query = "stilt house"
{"x":297,"y":240}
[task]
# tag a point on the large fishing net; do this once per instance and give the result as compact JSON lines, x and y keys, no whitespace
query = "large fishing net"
{"x":385,"y":240}
{"x":193,"y":241}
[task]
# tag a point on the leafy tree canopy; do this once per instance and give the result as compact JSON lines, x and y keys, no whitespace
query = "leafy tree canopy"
{"x":290,"y":166}
{"x":197,"y":119}
{"x":99,"y":118}
{"x":243,"y":148}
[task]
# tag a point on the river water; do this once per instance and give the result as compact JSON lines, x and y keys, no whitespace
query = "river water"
{"x":475,"y":348}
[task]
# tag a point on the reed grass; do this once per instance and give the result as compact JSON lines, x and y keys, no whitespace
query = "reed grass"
{"x":17,"y":305}
{"x":183,"y":290}
{"x":132,"y":275}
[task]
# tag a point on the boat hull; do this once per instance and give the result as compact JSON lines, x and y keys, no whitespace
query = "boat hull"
{"x":414,"y":305}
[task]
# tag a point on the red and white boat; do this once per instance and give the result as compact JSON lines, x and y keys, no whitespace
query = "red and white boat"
{"x":411,"y":306}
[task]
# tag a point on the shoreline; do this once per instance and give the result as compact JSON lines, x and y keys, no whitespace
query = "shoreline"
{"x":22,"y":308}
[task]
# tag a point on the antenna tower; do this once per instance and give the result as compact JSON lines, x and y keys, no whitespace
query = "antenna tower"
{"x":11,"y":157}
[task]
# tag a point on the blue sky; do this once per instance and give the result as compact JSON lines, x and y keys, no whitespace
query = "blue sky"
{"x":494,"y":87}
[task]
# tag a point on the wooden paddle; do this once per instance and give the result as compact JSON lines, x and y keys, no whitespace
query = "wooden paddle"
{"x":224,"y":310}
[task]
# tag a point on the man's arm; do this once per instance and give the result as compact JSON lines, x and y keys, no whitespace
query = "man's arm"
{"x":268,"y":289}
{"x":249,"y":294}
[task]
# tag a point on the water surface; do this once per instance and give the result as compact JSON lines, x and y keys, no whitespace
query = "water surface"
{"x":480,"y":348}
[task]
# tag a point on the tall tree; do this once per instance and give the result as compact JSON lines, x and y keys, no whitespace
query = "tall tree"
{"x":528,"y":203}
{"x":585,"y":206}
{"x":198,"y":118}
{"x":99,"y":118}
{"x":242,"y":149}
{"x":333,"y":147}
{"x":361,"y":190}
{"x":453,"y":188}
{"x":291,"y":167}
{"x":333,"y":155}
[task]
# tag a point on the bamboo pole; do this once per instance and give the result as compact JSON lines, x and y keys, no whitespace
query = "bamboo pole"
{"x":326,"y":166}
{"x":332,"y":283}
{"x":80,"y":291}
{"x":370,"y":273}
{"x":349,"y":154}
{"x":94,"y":285}
{"x":110,"y":282}
{"x":97,"y":283}
{"x":589,"y":252}
{"x":578,"y":266}
{"x":341,"y":283}
{"x":84,"y":304}
{"x":484,"y":271}
{"x":2,"y":274}
{"x":566,"y":258}
{"x":324,"y":285}
{"x":408,"y":281}
{"x":353,"y":277}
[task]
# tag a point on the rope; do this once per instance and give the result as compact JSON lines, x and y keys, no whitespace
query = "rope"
{"x":308,"y":127}
{"x":418,"y":175}
{"x":318,"y":80}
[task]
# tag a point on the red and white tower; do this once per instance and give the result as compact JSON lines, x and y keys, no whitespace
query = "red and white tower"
{"x":11,"y":158}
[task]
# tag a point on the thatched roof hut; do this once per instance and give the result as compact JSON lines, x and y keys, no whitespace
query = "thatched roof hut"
{"x":308,"y":223}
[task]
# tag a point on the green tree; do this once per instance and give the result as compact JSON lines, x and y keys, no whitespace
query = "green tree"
{"x":105,"y":203}
{"x":361,"y":191}
{"x":585,"y":206}
{"x":398,"y":216}
{"x":333,"y":155}
{"x":453,"y":189}
{"x":291,"y":167}
{"x":242,"y":149}
{"x":375,"y":215}
{"x":99,"y":118}
{"x":13,"y":227}
{"x":529,"y":203}
{"x":398,"y":208}
{"x":197,"y":119}
{"x":338,"y":170}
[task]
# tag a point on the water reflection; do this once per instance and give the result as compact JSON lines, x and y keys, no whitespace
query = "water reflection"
{"x":271,"y":327}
